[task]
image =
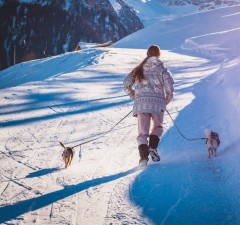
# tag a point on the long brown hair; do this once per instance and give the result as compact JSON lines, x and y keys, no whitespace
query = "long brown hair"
{"x":153,"y":50}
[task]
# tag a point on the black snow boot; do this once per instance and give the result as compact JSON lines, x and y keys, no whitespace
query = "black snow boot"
{"x":153,"y":143}
{"x":144,"y":153}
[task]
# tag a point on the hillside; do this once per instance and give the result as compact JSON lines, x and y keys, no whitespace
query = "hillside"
{"x":173,"y":34}
{"x":36,"y":29}
{"x":154,"y":11}
{"x":76,"y":96}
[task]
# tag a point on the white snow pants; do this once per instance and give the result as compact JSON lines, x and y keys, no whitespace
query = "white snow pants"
{"x":145,"y":120}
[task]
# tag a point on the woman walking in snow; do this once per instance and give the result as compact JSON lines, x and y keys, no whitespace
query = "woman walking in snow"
{"x":150,"y":85}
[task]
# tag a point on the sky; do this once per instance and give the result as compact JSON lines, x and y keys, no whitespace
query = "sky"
{"x":77,"y":96}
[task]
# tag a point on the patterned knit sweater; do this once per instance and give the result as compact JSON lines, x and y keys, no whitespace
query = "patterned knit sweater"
{"x":153,"y":93}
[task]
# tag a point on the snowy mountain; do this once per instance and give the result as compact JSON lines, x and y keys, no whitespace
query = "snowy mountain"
{"x":153,"y":11}
{"x":77,"y":96}
{"x":195,"y":28}
{"x":36,"y":29}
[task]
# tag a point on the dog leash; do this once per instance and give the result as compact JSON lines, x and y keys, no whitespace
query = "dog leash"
{"x":83,"y":143}
{"x":189,"y":139}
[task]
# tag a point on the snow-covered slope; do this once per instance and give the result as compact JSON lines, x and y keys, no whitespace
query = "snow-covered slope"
{"x":154,"y":11}
{"x":76,"y":96}
{"x":218,"y":27}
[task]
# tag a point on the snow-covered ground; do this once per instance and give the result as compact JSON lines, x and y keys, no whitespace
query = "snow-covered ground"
{"x":221,"y":25}
{"x":76,"y":96}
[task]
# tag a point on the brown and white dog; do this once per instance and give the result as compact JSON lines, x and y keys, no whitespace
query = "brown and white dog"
{"x":67,"y":155}
{"x":212,"y":142}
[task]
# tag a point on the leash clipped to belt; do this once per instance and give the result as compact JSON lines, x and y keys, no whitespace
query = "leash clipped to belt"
{"x":83,"y":143}
{"x":189,"y":139}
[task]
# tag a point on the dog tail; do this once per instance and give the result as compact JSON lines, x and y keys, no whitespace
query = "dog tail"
{"x":207,"y":133}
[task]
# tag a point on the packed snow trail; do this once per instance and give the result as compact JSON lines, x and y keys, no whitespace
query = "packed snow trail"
{"x":106,"y":186}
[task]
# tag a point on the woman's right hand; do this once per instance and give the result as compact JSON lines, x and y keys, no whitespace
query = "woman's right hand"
{"x":167,"y":100}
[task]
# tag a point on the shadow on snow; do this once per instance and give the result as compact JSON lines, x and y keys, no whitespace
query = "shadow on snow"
{"x":10,"y":212}
{"x":42,"y":172}
{"x":47,"y":67}
{"x":186,"y":187}
{"x":90,"y":108}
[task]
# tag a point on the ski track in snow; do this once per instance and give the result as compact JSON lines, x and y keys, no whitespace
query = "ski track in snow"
{"x":105,"y":186}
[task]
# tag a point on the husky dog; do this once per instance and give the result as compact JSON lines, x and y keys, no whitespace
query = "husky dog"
{"x":67,"y":155}
{"x":212,"y":142}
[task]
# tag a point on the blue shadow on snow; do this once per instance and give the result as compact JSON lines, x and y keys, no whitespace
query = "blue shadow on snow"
{"x":186,"y":187}
{"x":42,"y":172}
{"x":10,"y":212}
